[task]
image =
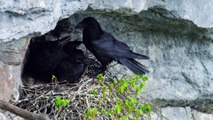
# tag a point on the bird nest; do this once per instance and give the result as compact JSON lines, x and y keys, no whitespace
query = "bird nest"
{"x":41,"y":98}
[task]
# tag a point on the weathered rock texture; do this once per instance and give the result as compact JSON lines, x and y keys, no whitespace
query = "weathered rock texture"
{"x":29,"y":16}
{"x":11,"y":57}
{"x":177,"y":35}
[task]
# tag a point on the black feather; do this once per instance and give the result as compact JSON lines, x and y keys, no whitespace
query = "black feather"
{"x":107,"y":49}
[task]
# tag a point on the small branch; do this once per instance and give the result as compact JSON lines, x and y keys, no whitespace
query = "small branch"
{"x":22,"y":112}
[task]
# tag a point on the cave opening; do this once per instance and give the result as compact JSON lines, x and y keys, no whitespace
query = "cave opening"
{"x":54,"y":54}
{"x":58,"y":54}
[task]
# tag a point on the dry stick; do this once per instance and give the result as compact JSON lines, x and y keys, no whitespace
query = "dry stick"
{"x":22,"y":112}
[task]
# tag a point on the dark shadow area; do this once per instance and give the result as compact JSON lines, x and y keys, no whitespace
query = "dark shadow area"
{"x":54,"y":53}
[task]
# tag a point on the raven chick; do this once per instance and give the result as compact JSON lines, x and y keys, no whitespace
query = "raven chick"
{"x":71,"y":67}
{"x":106,"y":48}
{"x":62,"y":26}
{"x":43,"y":58}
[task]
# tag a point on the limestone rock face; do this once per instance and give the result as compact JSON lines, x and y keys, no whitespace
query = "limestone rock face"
{"x":19,"y":18}
{"x":11,"y":57}
{"x":180,"y":54}
{"x":176,"y":35}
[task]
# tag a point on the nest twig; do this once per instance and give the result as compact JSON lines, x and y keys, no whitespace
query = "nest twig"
{"x":40,"y":98}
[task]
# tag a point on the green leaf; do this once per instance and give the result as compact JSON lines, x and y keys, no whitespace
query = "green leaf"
{"x":110,"y":86}
{"x":117,"y":109}
{"x":115,"y":81}
{"x":104,"y":95}
{"x":135,"y":77}
{"x":89,"y":112}
{"x":65,"y":102}
{"x":144,"y":77}
{"x":61,"y":102}
{"x":123,"y":118}
{"x":109,"y":112}
{"x":54,"y":78}
{"x":105,"y":88}
{"x":100,"y":77}
{"x":146,"y":108}
{"x":142,"y":84}
{"x":121,"y":89}
{"x":133,"y":81}
{"x":139,"y":111}
{"x":103,"y":111}
{"x":127,"y":103}
{"x":126,"y":84}
{"x":58,"y":102}
{"x":138,"y":89}
{"x":100,"y":102}
{"x":133,"y":100}
{"x":134,"y":118}
{"x":95,"y":111}
{"x":95,"y":92}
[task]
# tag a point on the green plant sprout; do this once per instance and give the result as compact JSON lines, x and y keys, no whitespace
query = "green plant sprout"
{"x":123,"y":96}
{"x":54,"y":78}
{"x":61,"y":102}
{"x":91,"y":113}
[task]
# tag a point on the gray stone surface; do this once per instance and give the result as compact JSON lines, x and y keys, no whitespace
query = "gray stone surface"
{"x":181,"y":58}
{"x":175,"y":59}
{"x":19,"y":18}
{"x":11,"y":57}
{"x":179,"y":113}
{"x":176,"y":35}
{"x":198,"y":11}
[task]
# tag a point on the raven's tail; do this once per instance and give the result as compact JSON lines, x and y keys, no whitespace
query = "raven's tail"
{"x":139,"y":56}
{"x":134,"y":66}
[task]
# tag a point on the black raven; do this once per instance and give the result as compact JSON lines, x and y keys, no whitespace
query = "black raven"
{"x":71,"y":67}
{"x":43,"y":58}
{"x":106,"y":48}
{"x":62,"y":26}
{"x":52,"y":53}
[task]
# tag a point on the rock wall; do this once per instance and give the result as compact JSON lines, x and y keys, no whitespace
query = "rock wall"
{"x":176,"y":35}
{"x":180,"y":58}
{"x":29,"y":16}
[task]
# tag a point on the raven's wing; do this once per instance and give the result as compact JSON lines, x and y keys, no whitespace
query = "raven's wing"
{"x":109,"y":46}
